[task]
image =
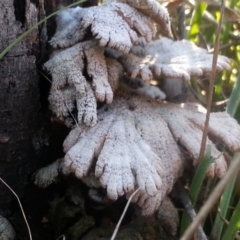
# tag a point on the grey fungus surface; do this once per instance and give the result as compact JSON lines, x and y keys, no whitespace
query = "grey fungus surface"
{"x":6,"y":230}
{"x":69,"y":85}
{"x":120,"y":33}
{"x":172,"y":59}
{"x":138,"y":147}
{"x":133,"y":141}
{"x":50,"y":174}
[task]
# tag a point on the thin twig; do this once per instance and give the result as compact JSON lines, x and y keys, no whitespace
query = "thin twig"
{"x":25,"y":219}
{"x":222,"y":218}
{"x":186,"y":202}
{"x":123,"y":214}
{"x":213,"y":104}
{"x":181,"y":21}
{"x":225,"y":46}
{"x":212,"y":78}
{"x":215,"y":195}
{"x":62,"y":236}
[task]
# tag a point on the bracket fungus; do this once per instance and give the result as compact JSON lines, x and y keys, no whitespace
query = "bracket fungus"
{"x":121,"y":32}
{"x":135,"y":144}
{"x":133,"y":141}
{"x":172,"y":59}
{"x":70,"y":86}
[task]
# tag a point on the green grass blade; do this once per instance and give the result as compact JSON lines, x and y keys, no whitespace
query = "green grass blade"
{"x":228,"y":25}
{"x":196,"y":21}
{"x":233,"y":107}
{"x":224,"y":40}
{"x":21,"y":37}
{"x":234,"y":224}
{"x":196,"y":185}
{"x":223,"y":208}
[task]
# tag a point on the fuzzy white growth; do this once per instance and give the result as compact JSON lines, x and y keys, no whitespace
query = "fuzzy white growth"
{"x":148,"y":204}
{"x":153,"y":9}
{"x":80,"y":161}
{"x":115,"y":34}
{"x":116,"y":165}
{"x":166,"y":58}
{"x":86,"y":107}
{"x":139,"y":22}
{"x":134,"y":144}
{"x":190,"y":133}
{"x":166,"y":212}
{"x":97,"y":71}
{"x":119,"y":33}
{"x":6,"y":230}
{"x":69,"y":85}
{"x":62,"y":101}
{"x":151,"y":91}
{"x":72,"y":138}
{"x":48,"y":175}
{"x":69,"y":30}
{"x":218,"y":127}
{"x":138,"y":86}
{"x":133,"y":158}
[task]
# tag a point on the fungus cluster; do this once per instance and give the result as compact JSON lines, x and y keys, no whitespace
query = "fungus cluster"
{"x":132,"y":141}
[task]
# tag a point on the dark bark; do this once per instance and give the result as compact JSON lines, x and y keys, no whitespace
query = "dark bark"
{"x":24,"y":139}
{"x":21,"y":133}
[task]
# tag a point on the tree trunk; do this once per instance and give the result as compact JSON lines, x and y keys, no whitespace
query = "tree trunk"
{"x":19,"y":106}
{"x":24,"y":139}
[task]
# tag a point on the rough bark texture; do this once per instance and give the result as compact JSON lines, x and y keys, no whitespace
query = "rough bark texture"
{"x":20,"y":128}
{"x":23,"y":137}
